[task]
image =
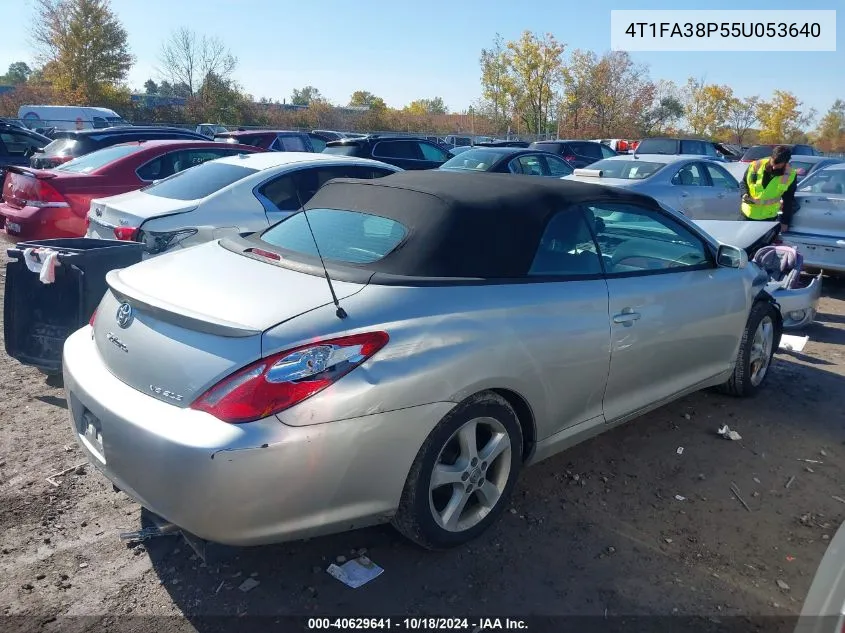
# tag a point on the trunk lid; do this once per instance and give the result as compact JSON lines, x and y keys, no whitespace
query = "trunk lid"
{"x":196,"y":316}
{"x":24,"y":187}
{"x":131,"y":210}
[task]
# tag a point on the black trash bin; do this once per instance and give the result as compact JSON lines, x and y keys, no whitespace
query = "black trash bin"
{"x":37,"y":317}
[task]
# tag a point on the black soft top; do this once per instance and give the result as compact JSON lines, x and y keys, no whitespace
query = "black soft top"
{"x":463,"y":225}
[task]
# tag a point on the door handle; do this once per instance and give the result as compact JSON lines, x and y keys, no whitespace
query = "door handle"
{"x":627,"y":316}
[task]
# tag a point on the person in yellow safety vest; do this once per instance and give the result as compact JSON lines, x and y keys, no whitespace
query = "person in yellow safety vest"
{"x":768,"y":188}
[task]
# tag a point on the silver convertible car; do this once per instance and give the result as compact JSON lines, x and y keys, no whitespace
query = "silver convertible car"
{"x":400,"y":349}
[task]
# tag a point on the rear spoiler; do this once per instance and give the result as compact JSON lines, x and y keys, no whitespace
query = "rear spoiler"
{"x":176,"y":315}
{"x":41,"y":174}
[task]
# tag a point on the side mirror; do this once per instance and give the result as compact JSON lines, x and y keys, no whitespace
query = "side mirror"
{"x":731,"y":257}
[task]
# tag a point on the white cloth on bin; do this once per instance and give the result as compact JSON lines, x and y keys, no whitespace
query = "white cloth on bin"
{"x":42,"y":261}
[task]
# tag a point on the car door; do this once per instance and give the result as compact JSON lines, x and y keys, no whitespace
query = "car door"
{"x":689,"y":188}
{"x":556,"y":167}
{"x":676,"y":318}
{"x":570,"y":345}
{"x":724,"y":199}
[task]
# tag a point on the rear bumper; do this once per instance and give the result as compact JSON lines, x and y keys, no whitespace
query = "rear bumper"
{"x":244,"y":484}
{"x":824,"y":253}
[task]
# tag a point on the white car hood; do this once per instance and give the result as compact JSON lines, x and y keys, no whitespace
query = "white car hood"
{"x":736,"y":232}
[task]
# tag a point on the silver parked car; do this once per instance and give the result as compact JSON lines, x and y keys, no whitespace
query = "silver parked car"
{"x":236,"y":194}
{"x":697,"y":186}
{"x":400,"y":350}
{"x":817,"y":229}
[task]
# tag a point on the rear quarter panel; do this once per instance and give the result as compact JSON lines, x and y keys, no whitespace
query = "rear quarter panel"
{"x":447,"y":343}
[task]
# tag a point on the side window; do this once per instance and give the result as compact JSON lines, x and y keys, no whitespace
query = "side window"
{"x":606,"y":152}
{"x":157,"y":168}
{"x":690,"y":175}
{"x":193,"y":157}
{"x":318,"y":144}
{"x":100,"y":123}
{"x":430,"y":152}
{"x":281,"y":193}
{"x":566,"y":248}
{"x":530,"y":165}
{"x":366,"y":173}
{"x":710,"y":150}
{"x":308,"y":181}
{"x":720,"y":178}
{"x":636,"y":240}
{"x":408,"y":150}
{"x":695,"y":148}
{"x":18,"y":144}
{"x":557,"y":166}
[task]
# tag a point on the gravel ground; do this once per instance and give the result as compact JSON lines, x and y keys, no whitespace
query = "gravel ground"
{"x":596,"y":531}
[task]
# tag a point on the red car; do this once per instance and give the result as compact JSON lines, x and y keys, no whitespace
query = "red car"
{"x":49,"y":203}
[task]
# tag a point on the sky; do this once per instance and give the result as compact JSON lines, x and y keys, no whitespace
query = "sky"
{"x":403,"y":50}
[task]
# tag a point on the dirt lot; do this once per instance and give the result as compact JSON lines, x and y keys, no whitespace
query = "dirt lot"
{"x":597,"y":531}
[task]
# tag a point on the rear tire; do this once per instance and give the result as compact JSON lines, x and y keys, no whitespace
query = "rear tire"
{"x":463,"y":474}
{"x":759,"y":341}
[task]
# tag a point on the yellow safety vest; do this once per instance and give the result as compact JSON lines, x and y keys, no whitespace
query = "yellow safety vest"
{"x":765,"y":200}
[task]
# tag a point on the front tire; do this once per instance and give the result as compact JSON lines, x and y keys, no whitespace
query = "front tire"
{"x":463,"y":474}
{"x":759,"y":341}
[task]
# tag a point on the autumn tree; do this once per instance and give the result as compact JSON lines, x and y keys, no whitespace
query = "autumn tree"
{"x":706,"y":106}
{"x":306,"y":96}
{"x":665,"y":111}
{"x":497,"y":85}
{"x":741,"y":115}
{"x":83,"y":46}
{"x":620,"y":91}
{"x":425,"y":107}
{"x":577,"y":103}
{"x":781,"y":118}
{"x":830,"y":134}
{"x":189,"y":59}
{"x":536,"y":69}
{"x":366,"y":98}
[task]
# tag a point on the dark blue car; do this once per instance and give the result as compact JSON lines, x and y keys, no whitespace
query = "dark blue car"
{"x":510,"y":160}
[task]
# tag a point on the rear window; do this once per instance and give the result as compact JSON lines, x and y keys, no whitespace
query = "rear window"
{"x":349,"y":149}
{"x":199,"y":182}
{"x":90,"y":162}
{"x":830,"y":181}
{"x":247,"y":139}
{"x":60,"y":146}
{"x":657,"y":146}
{"x":554,"y":148}
{"x":627,"y":169}
{"x":350,"y":237}
{"x":474,"y":159}
{"x":757,"y":152}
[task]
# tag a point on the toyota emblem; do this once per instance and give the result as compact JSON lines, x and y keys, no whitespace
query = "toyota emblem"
{"x":124,"y":315}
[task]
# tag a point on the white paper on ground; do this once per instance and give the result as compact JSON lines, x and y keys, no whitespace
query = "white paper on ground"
{"x":792,"y":343}
{"x":355,"y":573}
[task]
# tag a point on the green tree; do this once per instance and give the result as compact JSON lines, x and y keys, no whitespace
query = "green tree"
{"x":366,"y":98}
{"x":306,"y":96}
{"x":150,"y":87}
{"x":665,"y":111}
{"x":830,"y":134}
{"x":496,"y":82}
{"x":84,"y":47}
{"x":18,"y":73}
{"x":423,"y":107}
{"x":536,"y":67}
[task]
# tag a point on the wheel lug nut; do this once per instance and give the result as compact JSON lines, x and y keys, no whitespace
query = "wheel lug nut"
{"x":465,"y":476}
{"x":474,"y":461}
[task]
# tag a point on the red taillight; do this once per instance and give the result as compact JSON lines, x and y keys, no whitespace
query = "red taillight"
{"x":93,"y":318}
{"x":282,"y":380}
{"x":622,"y":146}
{"x":125,"y":233}
{"x":262,"y":253}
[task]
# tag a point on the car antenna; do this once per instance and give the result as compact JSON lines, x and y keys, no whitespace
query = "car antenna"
{"x":340,"y":312}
